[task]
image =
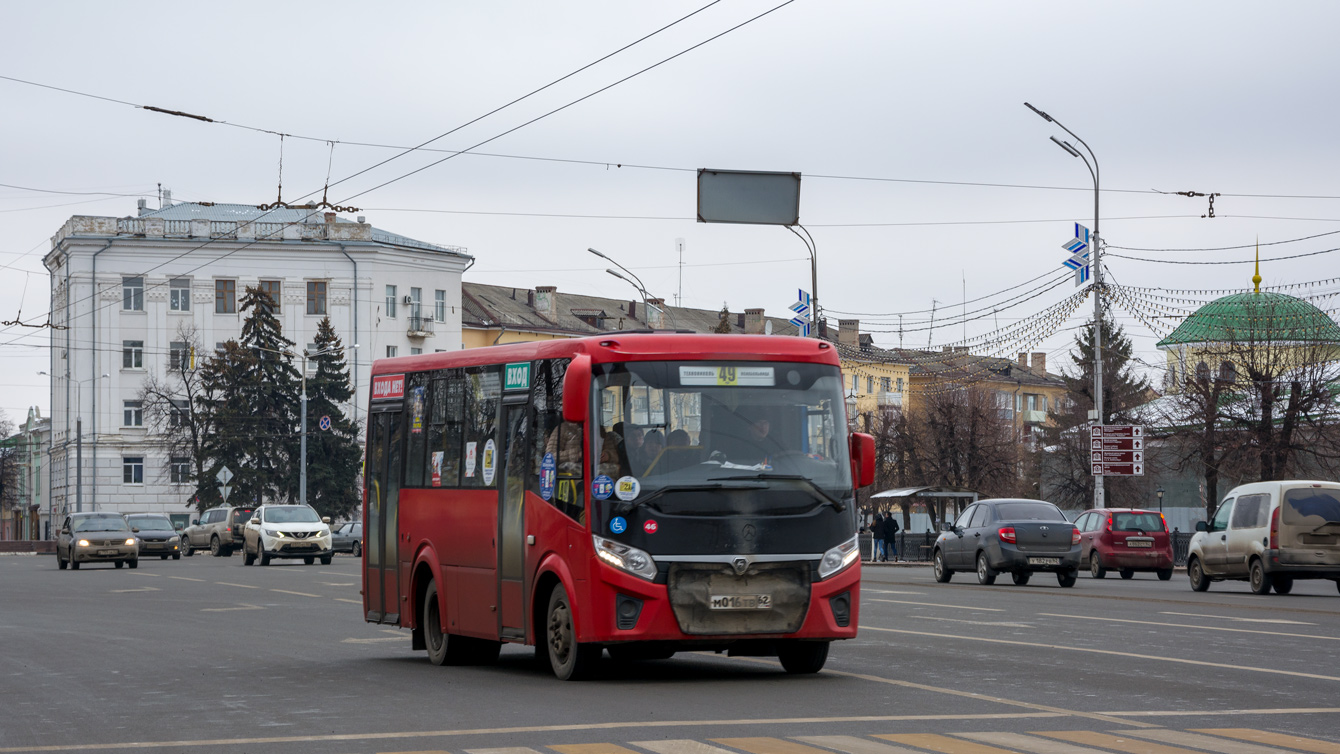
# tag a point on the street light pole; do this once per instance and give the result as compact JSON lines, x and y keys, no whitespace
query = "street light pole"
{"x":810,"y":246}
{"x":1099,"y":497}
{"x":78,"y":437}
{"x":632,"y":280}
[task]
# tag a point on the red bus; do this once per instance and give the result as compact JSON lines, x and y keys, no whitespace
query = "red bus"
{"x":641,"y":493}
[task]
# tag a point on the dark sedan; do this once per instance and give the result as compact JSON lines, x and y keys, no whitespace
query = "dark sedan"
{"x":1015,"y":536}
{"x":156,"y":535}
{"x":348,"y":537}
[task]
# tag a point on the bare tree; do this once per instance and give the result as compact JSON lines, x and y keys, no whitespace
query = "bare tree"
{"x":171,"y":407}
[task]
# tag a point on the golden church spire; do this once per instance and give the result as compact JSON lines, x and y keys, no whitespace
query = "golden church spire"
{"x":1256,"y":279}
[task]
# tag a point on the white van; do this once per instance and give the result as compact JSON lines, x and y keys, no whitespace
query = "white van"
{"x":1269,"y":533}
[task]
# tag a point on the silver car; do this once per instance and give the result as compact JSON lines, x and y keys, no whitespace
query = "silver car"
{"x":156,"y":535}
{"x":96,"y":538}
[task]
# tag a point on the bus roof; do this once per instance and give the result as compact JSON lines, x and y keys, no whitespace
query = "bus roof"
{"x":626,"y":346}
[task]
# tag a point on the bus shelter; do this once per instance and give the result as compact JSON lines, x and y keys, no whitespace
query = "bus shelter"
{"x":932,"y":497}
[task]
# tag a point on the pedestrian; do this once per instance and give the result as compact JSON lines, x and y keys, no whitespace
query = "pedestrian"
{"x":877,"y":531}
{"x":890,"y":543}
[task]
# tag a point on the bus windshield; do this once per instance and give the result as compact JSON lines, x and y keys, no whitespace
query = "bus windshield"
{"x":722,"y":438}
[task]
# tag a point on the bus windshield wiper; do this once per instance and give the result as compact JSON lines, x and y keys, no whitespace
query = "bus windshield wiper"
{"x":838,"y":505}
{"x":646,"y":501}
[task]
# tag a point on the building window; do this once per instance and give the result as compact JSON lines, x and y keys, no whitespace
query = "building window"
{"x":316,"y":297}
{"x":853,"y":382}
{"x":179,"y":359}
{"x":415,"y":302}
{"x":900,"y":384}
{"x":132,"y":354}
{"x":415,"y":351}
{"x":132,"y":470}
{"x":179,"y":470}
{"x":440,"y":306}
{"x":179,"y":295}
{"x":275,"y":290}
{"x":1228,"y":372}
{"x":884,"y":384}
{"x":390,"y":352}
{"x":133,"y":414}
{"x":870,"y":384}
{"x":225,"y":296}
{"x":179,"y":413}
{"x":390,"y":300}
{"x":132,"y":294}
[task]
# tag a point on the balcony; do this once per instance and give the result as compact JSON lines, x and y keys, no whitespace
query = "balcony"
{"x":1033,"y":417}
{"x":888,"y":398}
{"x":419,"y":327}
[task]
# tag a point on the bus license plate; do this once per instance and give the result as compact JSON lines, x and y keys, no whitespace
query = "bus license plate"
{"x":1044,"y":561}
{"x":1139,"y":543}
{"x":742,"y":602}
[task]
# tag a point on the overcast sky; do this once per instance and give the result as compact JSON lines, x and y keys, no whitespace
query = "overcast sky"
{"x":1229,"y":97}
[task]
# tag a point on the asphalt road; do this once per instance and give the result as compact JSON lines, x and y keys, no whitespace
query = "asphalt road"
{"x":206,"y":655}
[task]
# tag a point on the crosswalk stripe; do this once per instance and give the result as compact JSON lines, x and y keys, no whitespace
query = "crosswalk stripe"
{"x":1113,"y":742}
{"x":1029,"y":744}
{"x":504,"y":750}
{"x":1217,"y":745}
{"x":945,"y":744}
{"x":680,"y":746}
{"x":1275,"y":739}
{"x":765,"y":745}
{"x":853,"y":745}
{"x":591,"y":749}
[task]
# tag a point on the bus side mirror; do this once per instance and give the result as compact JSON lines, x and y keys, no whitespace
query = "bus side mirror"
{"x":863,"y":459}
{"x":577,"y":389}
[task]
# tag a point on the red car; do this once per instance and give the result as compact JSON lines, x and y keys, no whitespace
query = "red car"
{"x":1125,"y":540}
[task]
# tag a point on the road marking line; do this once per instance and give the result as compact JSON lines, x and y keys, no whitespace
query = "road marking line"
{"x":1229,"y":712}
{"x":591,"y":749}
{"x":1007,"y":624}
{"x":1201,"y":663}
{"x":437,"y":751}
{"x":229,"y":609}
{"x":1240,"y":620}
{"x":1028,"y":743}
{"x":147,"y":575}
{"x":853,"y":745}
{"x":937,"y":604}
{"x":300,"y":594}
{"x":141,"y":589}
{"x":1112,"y":742}
{"x":185,"y":578}
{"x":766,"y":745}
{"x":1275,"y":739}
{"x":342,"y":583}
{"x":329,"y":573}
{"x":244,"y":586}
{"x":1201,"y":628}
{"x":1199,"y":741}
{"x":677,"y":746}
{"x":945,"y":744}
{"x":503,"y":750}
{"x":890,"y":591}
{"x":375,"y":640}
{"x":352,"y":602}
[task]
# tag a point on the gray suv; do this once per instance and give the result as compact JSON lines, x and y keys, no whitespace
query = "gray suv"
{"x":219,"y":531}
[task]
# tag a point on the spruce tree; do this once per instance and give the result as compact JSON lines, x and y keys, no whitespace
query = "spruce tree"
{"x":220,"y":406}
{"x":269,"y":392}
{"x":332,"y":454}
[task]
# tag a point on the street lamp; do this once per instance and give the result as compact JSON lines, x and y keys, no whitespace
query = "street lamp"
{"x":1159,"y":492}
{"x":851,"y":410}
{"x":632,"y":280}
{"x":1098,"y":495}
{"x":79,"y":439}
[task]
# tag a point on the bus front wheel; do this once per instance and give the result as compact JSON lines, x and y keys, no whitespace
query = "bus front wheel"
{"x":799,"y":657}
{"x":570,"y":659}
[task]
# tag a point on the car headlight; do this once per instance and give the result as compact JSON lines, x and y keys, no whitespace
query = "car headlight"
{"x":274,"y":533}
{"x":130,"y":542}
{"x":83,"y":543}
{"x":625,"y":557}
{"x":839,"y":557}
{"x":323,"y":533}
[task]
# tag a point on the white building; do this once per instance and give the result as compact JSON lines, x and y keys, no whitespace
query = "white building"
{"x":188,"y":266}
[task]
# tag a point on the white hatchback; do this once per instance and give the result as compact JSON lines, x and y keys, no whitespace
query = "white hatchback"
{"x":286,"y":531}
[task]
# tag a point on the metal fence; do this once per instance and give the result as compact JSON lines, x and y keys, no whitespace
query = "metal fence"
{"x":916,"y":547}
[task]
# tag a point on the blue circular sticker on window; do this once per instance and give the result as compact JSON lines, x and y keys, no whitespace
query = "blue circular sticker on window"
{"x":548,"y":474}
{"x":602,"y":487}
{"x":618,"y":525}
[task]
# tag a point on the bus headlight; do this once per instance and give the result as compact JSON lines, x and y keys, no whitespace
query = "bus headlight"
{"x":625,"y":558}
{"x":839,"y":557}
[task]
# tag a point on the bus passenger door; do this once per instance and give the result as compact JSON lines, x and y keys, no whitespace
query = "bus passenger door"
{"x":512,"y":523}
{"x":382,"y":598}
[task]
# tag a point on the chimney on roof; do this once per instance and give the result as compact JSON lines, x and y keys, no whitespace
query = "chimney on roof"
{"x":1023,"y":359}
{"x":960,"y":349}
{"x":656,"y":313}
{"x":849,"y":332}
{"x":330,"y":218}
{"x":143,"y":206}
{"x":167,"y":198}
{"x":1040,"y":362}
{"x":546,"y":300}
{"x":632,"y":309}
{"x":754,"y":321}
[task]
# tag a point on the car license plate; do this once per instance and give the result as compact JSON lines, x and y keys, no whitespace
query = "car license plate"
{"x":742,"y":602}
{"x":1139,"y":543}
{"x":108,"y":552}
{"x":1044,"y":561}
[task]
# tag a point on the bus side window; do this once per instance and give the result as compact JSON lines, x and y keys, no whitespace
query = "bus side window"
{"x":553,"y":436}
{"x":416,"y":409}
{"x":483,"y":393}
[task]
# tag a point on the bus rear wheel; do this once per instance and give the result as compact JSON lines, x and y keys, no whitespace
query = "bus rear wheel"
{"x":800,"y":657}
{"x":433,"y":635}
{"x":570,"y":659}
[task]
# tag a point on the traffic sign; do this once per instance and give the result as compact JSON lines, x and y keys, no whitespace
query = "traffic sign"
{"x":1080,"y":242}
{"x":224,"y":490}
{"x":1079,"y":260}
{"x":224,"y":476}
{"x":1117,"y":449}
{"x":1117,"y":430}
{"x":803,"y":311}
{"x":1118,"y":456}
{"x":1117,"y":443}
{"x":1118,"y":469}
{"x":324,"y":423}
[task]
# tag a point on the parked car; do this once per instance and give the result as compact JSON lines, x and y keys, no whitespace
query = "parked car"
{"x":1125,"y":540}
{"x":1006,"y":535}
{"x":96,"y":537}
{"x":1269,"y":534}
{"x":348,"y":538}
{"x":219,"y":530}
{"x":286,"y":531}
{"x":155,"y":535}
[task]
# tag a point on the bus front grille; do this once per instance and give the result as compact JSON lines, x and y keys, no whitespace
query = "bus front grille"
{"x":693,"y":588}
